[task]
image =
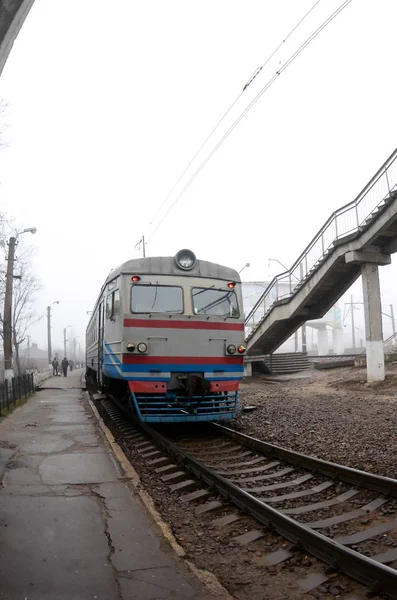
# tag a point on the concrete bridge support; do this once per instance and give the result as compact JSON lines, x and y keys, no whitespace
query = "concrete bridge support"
{"x":247,"y":369}
{"x":337,"y":340}
{"x":369,"y":262}
{"x":373,"y":323}
{"x":12,"y":16}
{"x":322,"y":340}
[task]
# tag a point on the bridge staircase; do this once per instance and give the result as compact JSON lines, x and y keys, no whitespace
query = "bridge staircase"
{"x":363,"y":231}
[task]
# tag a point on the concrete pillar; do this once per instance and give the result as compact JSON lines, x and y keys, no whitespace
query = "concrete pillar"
{"x":322,"y":340}
{"x":337,"y":340}
{"x":247,"y":369}
{"x":373,"y":323}
{"x":12,"y":15}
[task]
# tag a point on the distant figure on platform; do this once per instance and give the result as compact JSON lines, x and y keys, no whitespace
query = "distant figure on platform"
{"x":65,"y":364}
{"x":71,"y":365}
{"x":55,"y":367}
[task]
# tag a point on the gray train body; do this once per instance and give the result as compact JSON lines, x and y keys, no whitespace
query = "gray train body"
{"x":167,"y":334}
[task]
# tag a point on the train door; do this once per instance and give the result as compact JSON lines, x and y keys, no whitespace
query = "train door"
{"x":101,"y":328}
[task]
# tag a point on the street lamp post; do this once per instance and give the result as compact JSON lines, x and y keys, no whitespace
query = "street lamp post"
{"x":277,"y":261}
{"x":304,"y":343}
{"x":49,"y":330}
{"x":7,"y":321}
{"x":244,"y":267}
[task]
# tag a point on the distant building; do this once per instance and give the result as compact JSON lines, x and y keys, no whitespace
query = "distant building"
{"x":34,"y":358}
{"x":253,"y":290}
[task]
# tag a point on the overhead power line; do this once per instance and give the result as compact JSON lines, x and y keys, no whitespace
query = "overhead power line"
{"x":251,"y":79}
{"x":242,"y":115}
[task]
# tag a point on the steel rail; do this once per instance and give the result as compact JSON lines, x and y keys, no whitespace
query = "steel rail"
{"x":380,"y":578}
{"x":385,"y":485}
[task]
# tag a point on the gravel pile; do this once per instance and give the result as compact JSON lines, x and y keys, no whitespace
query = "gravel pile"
{"x":334,"y":415}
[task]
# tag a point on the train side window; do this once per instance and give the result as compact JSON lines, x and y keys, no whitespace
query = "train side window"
{"x":113,"y":305}
{"x":109,"y":304}
{"x":116,"y":303}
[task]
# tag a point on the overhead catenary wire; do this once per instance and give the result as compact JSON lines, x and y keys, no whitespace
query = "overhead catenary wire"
{"x":250,"y":80}
{"x":248,"y":108}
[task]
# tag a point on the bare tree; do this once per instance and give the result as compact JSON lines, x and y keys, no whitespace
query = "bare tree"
{"x":23,"y":312}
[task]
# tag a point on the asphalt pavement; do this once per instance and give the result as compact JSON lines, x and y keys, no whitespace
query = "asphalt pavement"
{"x":70,"y":526}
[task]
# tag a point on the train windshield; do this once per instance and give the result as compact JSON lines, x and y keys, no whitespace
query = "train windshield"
{"x":156,"y":299}
{"x":219,"y":303}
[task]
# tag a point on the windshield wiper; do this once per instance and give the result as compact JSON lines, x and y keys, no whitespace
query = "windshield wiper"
{"x":155,"y":296}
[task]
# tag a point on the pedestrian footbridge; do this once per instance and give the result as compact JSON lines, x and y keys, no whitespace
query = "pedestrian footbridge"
{"x":355,"y":240}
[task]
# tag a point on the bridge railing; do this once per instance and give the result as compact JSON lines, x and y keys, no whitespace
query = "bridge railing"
{"x":390,"y":341}
{"x":345,"y":221}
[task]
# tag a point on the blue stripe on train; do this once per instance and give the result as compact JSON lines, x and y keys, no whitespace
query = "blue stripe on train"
{"x":109,"y":352}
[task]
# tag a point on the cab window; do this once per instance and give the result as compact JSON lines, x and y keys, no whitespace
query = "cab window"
{"x":156,"y":299}
{"x":219,"y":303}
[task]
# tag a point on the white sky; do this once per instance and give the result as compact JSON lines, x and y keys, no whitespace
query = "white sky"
{"x":109,"y":102}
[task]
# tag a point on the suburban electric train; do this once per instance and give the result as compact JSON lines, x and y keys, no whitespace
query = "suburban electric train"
{"x":167,"y":336}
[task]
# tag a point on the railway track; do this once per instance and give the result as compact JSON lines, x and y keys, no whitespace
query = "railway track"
{"x":344,"y":517}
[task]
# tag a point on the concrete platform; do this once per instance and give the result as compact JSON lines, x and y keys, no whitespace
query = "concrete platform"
{"x":70,"y":528}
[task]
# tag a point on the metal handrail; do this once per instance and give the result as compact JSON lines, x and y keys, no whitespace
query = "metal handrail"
{"x":393,"y":336}
{"x":345,"y":221}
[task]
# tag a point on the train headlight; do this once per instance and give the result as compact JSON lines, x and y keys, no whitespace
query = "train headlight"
{"x":130,"y":347}
{"x":185,"y":259}
{"x":142,"y":347}
{"x":231,"y":349}
{"x":241,"y":349}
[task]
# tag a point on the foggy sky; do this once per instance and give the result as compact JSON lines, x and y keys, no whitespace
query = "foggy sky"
{"x":107,"y":109}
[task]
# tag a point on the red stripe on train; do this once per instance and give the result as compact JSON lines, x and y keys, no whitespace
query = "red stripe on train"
{"x":170,"y":324}
{"x":128,"y":359}
{"x":160,"y":387}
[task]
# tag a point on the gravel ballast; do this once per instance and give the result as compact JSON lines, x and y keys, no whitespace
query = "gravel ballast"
{"x":334,"y":415}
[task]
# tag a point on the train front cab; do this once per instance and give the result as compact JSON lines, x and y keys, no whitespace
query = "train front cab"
{"x":184,"y":346}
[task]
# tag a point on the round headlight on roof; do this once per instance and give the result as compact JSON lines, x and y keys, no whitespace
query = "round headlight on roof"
{"x":185,"y":259}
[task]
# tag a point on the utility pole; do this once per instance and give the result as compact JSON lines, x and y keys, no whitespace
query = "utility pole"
{"x":49,"y":334}
{"x":304,"y":343}
{"x":64,"y":342}
{"x":49,"y":331}
{"x":75,"y":348}
{"x":7,"y":323}
{"x":138,"y":246}
{"x":28,"y":336}
{"x":353,"y":330}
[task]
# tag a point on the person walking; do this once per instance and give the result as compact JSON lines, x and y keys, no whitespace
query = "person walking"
{"x":65,"y":364}
{"x":55,"y":366}
{"x":71,"y":365}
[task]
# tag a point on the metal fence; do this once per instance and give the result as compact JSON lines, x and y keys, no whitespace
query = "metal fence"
{"x":15,"y":389}
{"x":345,"y":221}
